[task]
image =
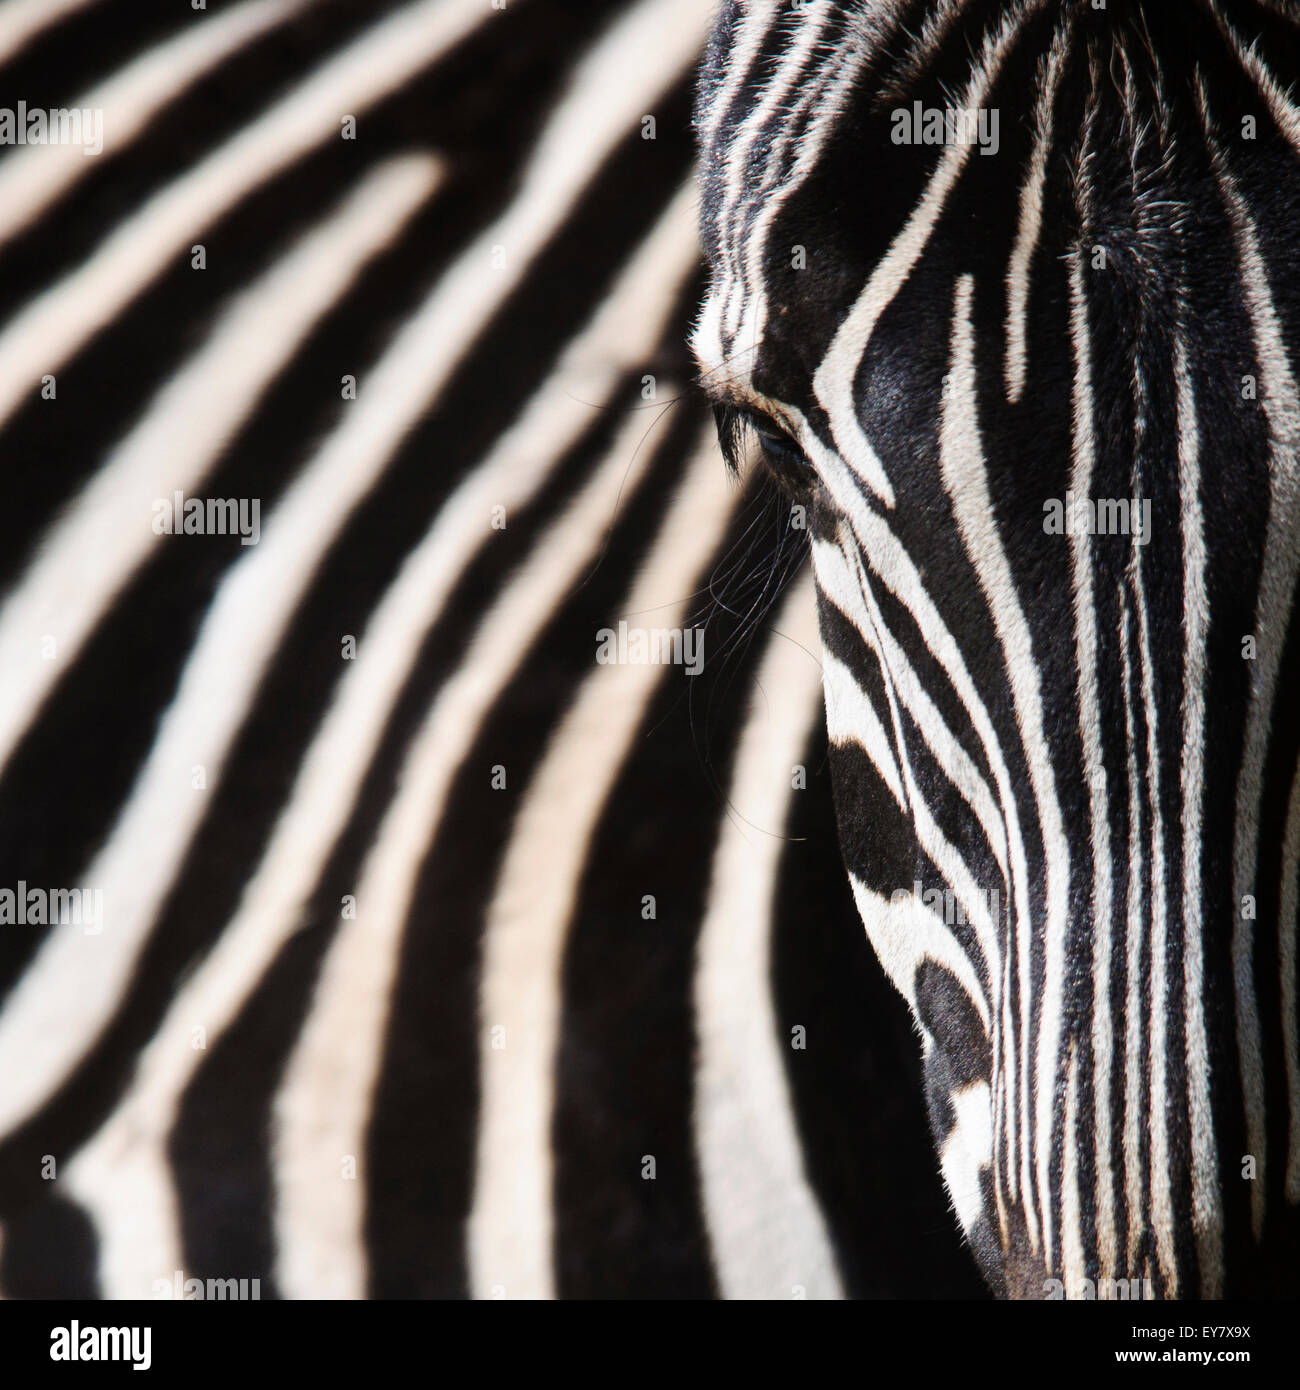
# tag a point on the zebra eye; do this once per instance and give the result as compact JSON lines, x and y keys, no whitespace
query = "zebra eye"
{"x":784,"y":459}
{"x":778,"y":447}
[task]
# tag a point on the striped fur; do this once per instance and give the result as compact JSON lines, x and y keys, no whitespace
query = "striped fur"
{"x":1065,"y":732}
{"x":239,"y":1076}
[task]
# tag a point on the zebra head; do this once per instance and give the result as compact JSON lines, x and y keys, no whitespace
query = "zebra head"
{"x":1007,"y":293}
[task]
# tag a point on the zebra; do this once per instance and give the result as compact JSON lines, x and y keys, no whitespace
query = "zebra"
{"x":989,"y":281}
{"x":419,"y":953}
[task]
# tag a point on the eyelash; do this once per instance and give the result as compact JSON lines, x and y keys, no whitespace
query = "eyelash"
{"x":778,"y":448}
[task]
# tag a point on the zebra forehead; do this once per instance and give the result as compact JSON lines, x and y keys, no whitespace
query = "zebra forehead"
{"x":835,"y":141}
{"x":796,"y":137}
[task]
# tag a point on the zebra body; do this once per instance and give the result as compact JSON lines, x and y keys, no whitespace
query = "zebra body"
{"x":968,"y":341}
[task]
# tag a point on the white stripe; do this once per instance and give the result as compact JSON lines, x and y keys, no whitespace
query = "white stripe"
{"x":32,"y":177}
{"x":851,"y":718}
{"x":511,"y":1222}
{"x":256,"y":601}
{"x":905,"y":934}
{"x":968,"y":1151}
{"x":105,"y":535}
{"x":1019,"y":280}
{"x":22,"y":20}
{"x":1135,"y":1098}
{"x":1085,"y":646}
{"x":766,"y":1229}
{"x":924,"y":48}
{"x":1284,"y":112}
{"x":1206,"y":1208}
{"x":1159,"y":1102}
{"x":42,"y":336}
{"x":966,"y":482}
{"x":1074,"y":1267}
